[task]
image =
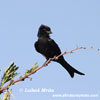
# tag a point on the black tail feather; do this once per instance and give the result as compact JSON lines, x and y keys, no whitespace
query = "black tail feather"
{"x":70,"y":69}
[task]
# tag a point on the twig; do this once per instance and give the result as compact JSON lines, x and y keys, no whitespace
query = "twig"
{"x":77,"y":48}
{"x":47,"y":62}
{"x":6,"y":87}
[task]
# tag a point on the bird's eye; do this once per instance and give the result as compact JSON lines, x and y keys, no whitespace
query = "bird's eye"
{"x":44,"y":29}
{"x":48,"y":29}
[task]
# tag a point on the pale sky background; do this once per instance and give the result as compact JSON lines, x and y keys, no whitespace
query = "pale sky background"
{"x":73,"y":22}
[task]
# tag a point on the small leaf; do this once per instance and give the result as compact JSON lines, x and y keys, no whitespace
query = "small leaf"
{"x":5,"y":69}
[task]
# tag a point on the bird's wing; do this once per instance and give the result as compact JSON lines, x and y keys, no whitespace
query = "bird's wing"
{"x":37,"y":46}
{"x":55,"y":48}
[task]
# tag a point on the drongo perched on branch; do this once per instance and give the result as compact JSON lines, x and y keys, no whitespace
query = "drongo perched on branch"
{"x":49,"y":48}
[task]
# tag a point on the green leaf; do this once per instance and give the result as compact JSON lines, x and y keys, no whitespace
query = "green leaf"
{"x":9,"y":73}
{"x":7,"y":95}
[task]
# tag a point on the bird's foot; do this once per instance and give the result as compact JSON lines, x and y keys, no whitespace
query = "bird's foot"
{"x":46,"y":64}
{"x":55,"y":58}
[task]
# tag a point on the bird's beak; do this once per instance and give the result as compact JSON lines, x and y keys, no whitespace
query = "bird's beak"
{"x":49,"y":32}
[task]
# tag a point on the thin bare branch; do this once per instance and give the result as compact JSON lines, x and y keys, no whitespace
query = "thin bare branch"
{"x":46,"y":63}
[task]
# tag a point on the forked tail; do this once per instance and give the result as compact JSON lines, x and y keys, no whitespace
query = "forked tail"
{"x":70,"y":69}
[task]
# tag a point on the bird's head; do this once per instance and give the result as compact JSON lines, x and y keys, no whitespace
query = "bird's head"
{"x":44,"y":31}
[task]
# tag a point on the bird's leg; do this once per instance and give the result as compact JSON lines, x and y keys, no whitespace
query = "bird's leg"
{"x":55,"y":58}
{"x":45,"y":63}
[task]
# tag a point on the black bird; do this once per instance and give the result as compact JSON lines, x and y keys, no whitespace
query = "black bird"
{"x":48,"y":48}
